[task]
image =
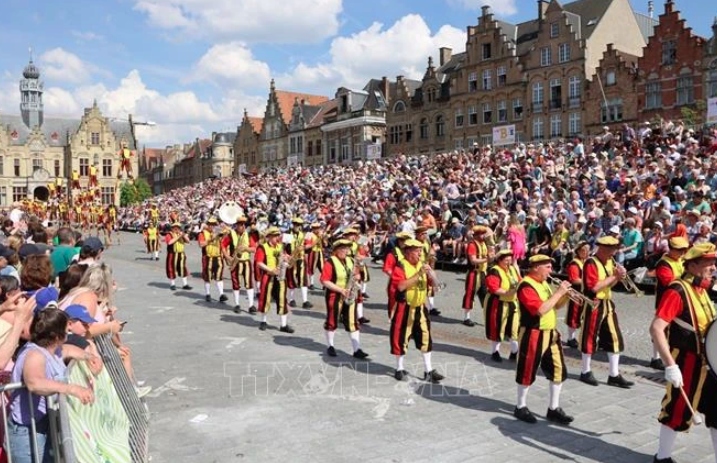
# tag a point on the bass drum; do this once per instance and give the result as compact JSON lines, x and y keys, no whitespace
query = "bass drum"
{"x":711,"y":347}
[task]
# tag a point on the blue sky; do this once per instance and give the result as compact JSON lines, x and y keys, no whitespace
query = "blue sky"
{"x":192,"y":66}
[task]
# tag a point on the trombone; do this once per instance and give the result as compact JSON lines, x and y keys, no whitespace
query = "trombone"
{"x":574,"y":295}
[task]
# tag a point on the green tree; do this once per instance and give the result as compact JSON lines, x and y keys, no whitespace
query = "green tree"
{"x":134,"y":192}
{"x":693,"y":117}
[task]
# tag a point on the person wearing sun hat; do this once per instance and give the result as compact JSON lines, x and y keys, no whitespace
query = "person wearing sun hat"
{"x":540,"y":339}
{"x":574,"y":271}
{"x":297,"y":273}
{"x":336,"y":276}
{"x":600,"y":323}
{"x":678,"y":330}
{"x":428,"y":256}
{"x":272,"y":288}
{"x":392,"y":259}
{"x":237,"y":250}
{"x":502,"y":318}
{"x":410,"y":319}
{"x":176,"y":264}
{"x":668,"y":269}
{"x":151,"y":240}
{"x":359,"y":254}
{"x":477,"y":252}
{"x":212,"y":264}
{"x":315,"y":258}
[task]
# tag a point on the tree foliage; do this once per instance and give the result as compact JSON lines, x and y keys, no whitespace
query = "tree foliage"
{"x":134,"y":192}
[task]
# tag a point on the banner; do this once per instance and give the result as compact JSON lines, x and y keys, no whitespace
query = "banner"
{"x":373,"y":151}
{"x":712,"y":110}
{"x":504,"y":135}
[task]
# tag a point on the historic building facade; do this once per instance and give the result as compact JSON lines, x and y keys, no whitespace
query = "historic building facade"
{"x":709,"y":62}
{"x":246,"y":144}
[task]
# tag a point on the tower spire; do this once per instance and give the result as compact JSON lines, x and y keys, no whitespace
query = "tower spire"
{"x":31,"y":88}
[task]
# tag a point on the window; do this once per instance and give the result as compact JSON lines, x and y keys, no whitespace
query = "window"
{"x":574,"y":92}
{"x":501,"y":80}
{"x":487,"y":113}
{"x":711,"y":84}
{"x":669,"y":52}
{"x":556,"y":94}
{"x":292,"y":145}
{"x":486,"y":51}
{"x":345,"y":148}
{"x":502,"y":111}
{"x":487,"y":79}
{"x":357,"y":152}
{"x":332,"y":152}
{"x":459,"y":117}
{"x":409,"y":133}
{"x":458,"y":143}
{"x":108,"y":194}
{"x":37,"y":164}
{"x":537,"y":96}
{"x":2,"y":166}
{"x":517,"y":109}
{"x":84,"y":167}
{"x":685,"y":91}
{"x":574,"y":123}
{"x":107,"y":167}
{"x":16,"y":165}
{"x":440,"y":126}
{"x":554,"y":30}
{"x":545,"y":57}
{"x":610,"y":78}
{"x":538,"y":128}
{"x":393,"y":135}
{"x":399,"y":107}
{"x":472,"y":81}
{"x":653,"y":92}
{"x":19,"y":193}
{"x":3,"y":196}
{"x":472,"y":115}
{"x":95,"y":137}
{"x":318,"y":148}
{"x":556,"y":126}
{"x":431,"y":94}
{"x":612,"y":112}
{"x":309,"y":148}
{"x":564,"y":52}
{"x":423,"y":129}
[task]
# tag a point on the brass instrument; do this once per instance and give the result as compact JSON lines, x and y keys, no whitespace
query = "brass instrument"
{"x":354,"y":286}
{"x":574,"y":295}
{"x":235,"y":258}
{"x":631,"y":286}
{"x":438,"y":285}
{"x":283,"y":267}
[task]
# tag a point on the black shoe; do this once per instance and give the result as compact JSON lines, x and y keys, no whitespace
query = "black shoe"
{"x":364,"y":321}
{"x":223,"y":298}
{"x":331,"y":351}
{"x":252,"y":310}
{"x":186,"y":287}
{"x":656,"y":364}
{"x":292,"y":303}
{"x":523,"y":414}
{"x":663,"y":460}
{"x":435,"y":312}
{"x":208,"y":298}
{"x":156,"y":258}
{"x":469,"y":322}
{"x":495,"y":356}
{"x":559,"y":416}
{"x":573,"y":343}
{"x":513,"y":356}
{"x":588,"y":378}
{"x":619,"y":381}
{"x":262,"y":326}
{"x":173,"y":288}
{"x":237,"y":309}
{"x":286,"y":329}
{"x":359,"y":354}
{"x":307,"y":305}
{"x":433,"y":376}
{"x":365,"y":295}
{"x":400,"y":375}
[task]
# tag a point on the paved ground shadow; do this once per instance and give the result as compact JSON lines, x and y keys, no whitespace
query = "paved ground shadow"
{"x":478,"y":355}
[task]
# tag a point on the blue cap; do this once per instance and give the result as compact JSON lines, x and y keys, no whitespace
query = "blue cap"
{"x":79,"y":312}
{"x":44,"y":297}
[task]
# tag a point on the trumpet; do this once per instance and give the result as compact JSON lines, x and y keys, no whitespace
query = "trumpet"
{"x":631,"y":286}
{"x":574,"y":295}
{"x":438,"y":285}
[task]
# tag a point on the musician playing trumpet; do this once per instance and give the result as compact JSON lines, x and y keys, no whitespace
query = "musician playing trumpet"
{"x":237,"y":251}
{"x":176,"y":265}
{"x":268,"y":266}
{"x":574,"y":270}
{"x":297,"y":273}
{"x":502,"y":319}
{"x":212,"y":265}
{"x":429,"y":257}
{"x":340,"y":277}
{"x":477,"y":252}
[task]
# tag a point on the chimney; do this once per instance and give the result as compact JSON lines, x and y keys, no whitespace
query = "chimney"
{"x":651,"y":9}
{"x":487,"y":14}
{"x":445,"y":54}
{"x":542,"y":8}
{"x":385,"y":87}
{"x":669,"y":5}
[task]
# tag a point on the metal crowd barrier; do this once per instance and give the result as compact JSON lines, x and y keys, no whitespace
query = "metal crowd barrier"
{"x":133,"y":406}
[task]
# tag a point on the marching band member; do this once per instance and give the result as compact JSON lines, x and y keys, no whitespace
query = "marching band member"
{"x":151,"y":240}
{"x":268,"y":262}
{"x":75,"y":180}
{"x":540,"y":340}
{"x":574,"y":270}
{"x":477,"y":252}
{"x":600,"y":324}
{"x":297,"y":274}
{"x":237,"y":251}
{"x":212,"y":266}
{"x":359,"y":254}
{"x":502,"y":318}
{"x":428,"y":257}
{"x":392,"y":259}
{"x":668,"y":269}
{"x":684,"y":313}
{"x":339,"y":276}
{"x":153,"y":214}
{"x":176,"y":265}
{"x":410,"y":318}
{"x":125,"y":155}
{"x":93,"y":176}
{"x":315,"y":255}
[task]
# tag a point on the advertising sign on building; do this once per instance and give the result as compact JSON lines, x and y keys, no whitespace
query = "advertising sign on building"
{"x":373,"y":151}
{"x":504,"y":135}
{"x":712,"y":110}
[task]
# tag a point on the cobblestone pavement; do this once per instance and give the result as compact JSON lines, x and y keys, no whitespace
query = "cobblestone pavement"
{"x":225,"y":391}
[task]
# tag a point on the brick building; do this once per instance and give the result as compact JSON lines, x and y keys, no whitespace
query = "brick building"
{"x":246,"y":144}
{"x":305,"y":135}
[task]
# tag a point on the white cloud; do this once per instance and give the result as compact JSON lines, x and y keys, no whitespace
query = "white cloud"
{"x":60,"y":65}
{"x":87,"y":36}
{"x":231,"y":64}
{"x":499,"y":7}
{"x":375,"y":52}
{"x":275,"y":21}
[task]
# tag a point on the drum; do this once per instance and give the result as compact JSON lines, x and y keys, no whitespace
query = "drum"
{"x":711,"y":346}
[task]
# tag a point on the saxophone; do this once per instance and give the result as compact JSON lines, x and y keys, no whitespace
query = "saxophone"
{"x":235,"y":257}
{"x":353,"y":287}
{"x":283,"y":267}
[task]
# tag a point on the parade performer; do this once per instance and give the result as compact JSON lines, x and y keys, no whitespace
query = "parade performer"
{"x":176,"y":257}
{"x":271,"y":267}
{"x":212,"y":266}
{"x":678,"y":330}
{"x":600,"y":323}
{"x":410,"y":318}
{"x":75,"y":180}
{"x":477,"y":252}
{"x":342,"y":281}
{"x":125,"y":155}
{"x":668,"y":269}
{"x":389,"y":263}
{"x":237,"y":251}
{"x":153,"y":214}
{"x":93,"y":177}
{"x":297,"y":275}
{"x":151,"y":240}
{"x":428,"y":256}
{"x":315,"y":256}
{"x":359,"y":255}
{"x":502,"y":318}
{"x":540,"y":340}
{"x":574,"y":270}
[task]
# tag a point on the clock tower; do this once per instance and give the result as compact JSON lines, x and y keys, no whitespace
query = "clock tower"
{"x":31,"y":106}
